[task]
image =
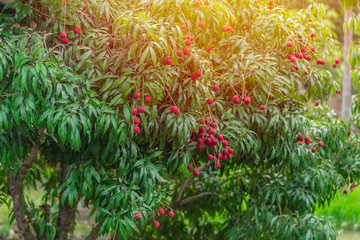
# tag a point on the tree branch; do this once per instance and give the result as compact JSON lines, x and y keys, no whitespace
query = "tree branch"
{"x":16,"y":191}
{"x":193,"y":198}
{"x":185,"y":183}
{"x":94,"y":234}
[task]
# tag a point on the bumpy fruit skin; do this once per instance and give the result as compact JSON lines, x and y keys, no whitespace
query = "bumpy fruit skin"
{"x":63,"y":35}
{"x":345,"y":191}
{"x":262,"y":107}
{"x":196,"y":172}
{"x":137,"y":215}
{"x":141,"y":109}
{"x":209,"y":49}
{"x":247,"y":100}
{"x":202,"y":24}
{"x":209,"y":101}
{"x":334,"y":65}
{"x":198,"y":74}
{"x":196,"y":3}
{"x":179,"y":53}
{"x":310,"y":20}
{"x":76,"y":30}
{"x":134,"y":111}
{"x":137,"y":95}
{"x":220,"y":137}
{"x":303,"y":49}
{"x":292,"y":59}
{"x":225,"y":28}
{"x":156,"y":224}
{"x":312,"y":49}
{"x":225,"y":143}
{"x":235,"y":99}
{"x":162,"y":212}
{"x":321,"y":144}
{"x":183,"y":26}
{"x":171,"y":214}
{"x":169,"y":61}
{"x":231,"y":150}
{"x":177,"y":112}
{"x":313,"y":150}
{"x":147,"y":99}
{"x":188,"y":42}
{"x":189,"y":167}
{"x":186,"y":51}
{"x":210,"y":157}
{"x":289,"y":44}
{"x":217,"y":165}
{"x":312,"y":35}
{"x":293,"y":70}
{"x":65,"y":41}
{"x":317,"y":104}
{"x":337,"y":60}
{"x":136,"y":121}
{"x":215,"y":88}
{"x":136,"y":129}
{"x":173,"y":109}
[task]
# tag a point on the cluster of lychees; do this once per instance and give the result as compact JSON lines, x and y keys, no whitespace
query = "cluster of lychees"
{"x":141,"y":109}
{"x":206,"y":137}
{"x":158,"y":212}
{"x":307,"y":141}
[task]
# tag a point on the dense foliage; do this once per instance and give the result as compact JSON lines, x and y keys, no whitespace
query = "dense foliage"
{"x":66,"y":122}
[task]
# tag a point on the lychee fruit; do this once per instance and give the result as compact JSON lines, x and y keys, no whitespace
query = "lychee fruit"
{"x":289,"y":44}
{"x":137,"y":215}
{"x":313,"y":150}
{"x":179,"y":53}
{"x":209,"y":101}
{"x":196,"y":172}
{"x":169,"y":61}
{"x":202,"y":24}
{"x":162,"y":212}
{"x":247,"y":100}
{"x":321,"y":144}
{"x":63,"y":35}
{"x":76,"y":30}
{"x":235,"y":99}
{"x":171,"y":214}
{"x":262,"y":107}
{"x":65,"y":41}
{"x":189,"y":166}
{"x":173,"y":109}
{"x":133,"y":111}
{"x":136,"y":129}
{"x":141,"y":109}
{"x":156,"y":224}
{"x":147,"y":99}
{"x":186,"y":51}
{"x":188,"y":42}
{"x":215,"y":88}
{"x":137,"y":95}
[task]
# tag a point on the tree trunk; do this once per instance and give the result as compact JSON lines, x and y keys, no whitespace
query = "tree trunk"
{"x":94,"y":234}
{"x":66,"y":214}
{"x":346,"y":93}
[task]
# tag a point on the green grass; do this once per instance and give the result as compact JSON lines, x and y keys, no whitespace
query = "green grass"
{"x":345,"y":209}
{"x":4,"y":221}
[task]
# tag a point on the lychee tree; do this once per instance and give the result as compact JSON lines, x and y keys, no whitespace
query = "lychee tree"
{"x":195,"y":110}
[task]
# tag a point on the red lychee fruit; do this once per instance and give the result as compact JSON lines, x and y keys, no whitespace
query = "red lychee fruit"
{"x":209,"y":101}
{"x":231,"y":150}
{"x":171,"y":214}
{"x":136,"y":121}
{"x":289,"y":44}
{"x":76,"y":30}
{"x":186,"y":51}
{"x":235,"y":99}
{"x":198,"y":74}
{"x":225,"y":143}
{"x":313,"y":150}
{"x":308,"y":57}
{"x":217,"y":164}
{"x":173,"y":109}
{"x":177,"y":112}
{"x":262,"y":107}
{"x":65,"y":41}
{"x":202,"y":24}
{"x":312,"y":35}
{"x":290,"y":56}
{"x":179,"y":53}
{"x":337,"y":60}
{"x":317,"y":104}
{"x":212,"y":132}
{"x":196,"y":172}
{"x":215,"y":88}
{"x":169,"y":61}
{"x":183,"y":26}
{"x":303,"y":49}
{"x":162,"y":212}
{"x":312,"y":49}
{"x":196,"y":3}
{"x":247,"y":100}
{"x":220,"y":137}
{"x":171,"y":45}
{"x":156,"y":224}
{"x":136,"y":95}
{"x":189,"y":166}
{"x":63,"y":35}
{"x":188,"y":42}
{"x":225,"y":28}
{"x":147,"y":99}
{"x":293,"y":70}
{"x":334,"y":65}
{"x":310,"y":20}
{"x":292,"y":59}
{"x":349,"y":132}
{"x":210,"y":157}
{"x":209,"y":49}
{"x":345,"y":191}
{"x":136,"y":129}
{"x":137,"y":215}
{"x":133,"y":111}
{"x":141,"y":109}
{"x":321,"y":144}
